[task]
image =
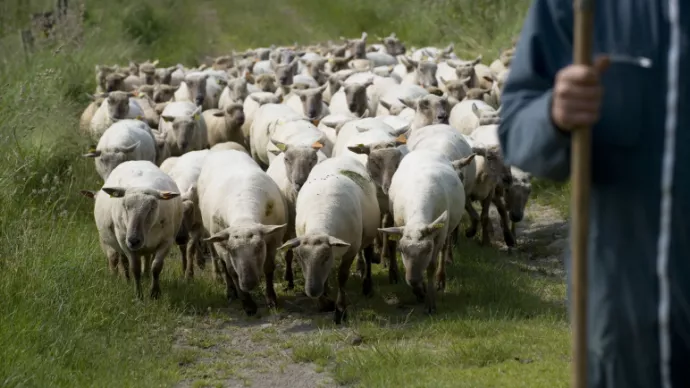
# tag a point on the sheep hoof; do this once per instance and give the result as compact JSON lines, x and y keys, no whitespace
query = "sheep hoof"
{"x":339,"y":316}
{"x":326,"y":306}
{"x":509,"y":239}
{"x":249,"y":307}
{"x":155,"y":292}
{"x":368,"y":287}
{"x":471,"y":232}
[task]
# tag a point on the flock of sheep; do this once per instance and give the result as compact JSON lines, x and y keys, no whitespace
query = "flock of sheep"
{"x":325,"y":153}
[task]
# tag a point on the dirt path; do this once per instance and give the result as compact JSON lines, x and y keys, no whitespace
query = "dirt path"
{"x":223,"y":348}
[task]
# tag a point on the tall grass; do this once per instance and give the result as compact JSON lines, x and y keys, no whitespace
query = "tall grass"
{"x":64,"y":320}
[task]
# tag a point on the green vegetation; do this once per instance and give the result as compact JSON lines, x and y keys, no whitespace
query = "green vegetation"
{"x":65,"y":321}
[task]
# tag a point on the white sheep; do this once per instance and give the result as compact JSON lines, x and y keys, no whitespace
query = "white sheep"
{"x":224,"y":125}
{"x":251,"y":105}
{"x":266,"y":119}
{"x":125,"y":140}
{"x":390,"y":103}
{"x":337,"y":215}
{"x":296,"y":134}
{"x":116,"y":106}
{"x":427,"y":198}
{"x":138,"y":214}
{"x":202,"y":88}
{"x":467,"y":115}
{"x":245,"y":233}
{"x":183,"y":127}
{"x":185,"y":172}
{"x":328,"y":126}
{"x":230,"y":145}
{"x":308,"y":102}
{"x":428,"y":110}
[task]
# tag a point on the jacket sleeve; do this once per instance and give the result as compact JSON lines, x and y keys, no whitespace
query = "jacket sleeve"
{"x":528,"y":137}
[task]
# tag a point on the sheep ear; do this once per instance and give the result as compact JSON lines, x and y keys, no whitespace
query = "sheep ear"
{"x":88,"y":193}
{"x":315,"y":122}
{"x":400,"y":140}
{"x":92,"y":153}
{"x":460,"y":163}
{"x":393,"y":233}
{"x":281,"y":146}
{"x":475,"y":109}
{"x":168,"y":119}
{"x":219,"y":114}
{"x":336,"y":242}
{"x":115,"y":192}
{"x":290,"y":244}
{"x":437,"y":225}
{"x":360,"y":149}
{"x":317,"y":145}
{"x":166,"y":195}
{"x":408,"y":102}
{"x":479,"y":151}
{"x":130,"y":148}
{"x":218,"y":237}
{"x":270,"y":229}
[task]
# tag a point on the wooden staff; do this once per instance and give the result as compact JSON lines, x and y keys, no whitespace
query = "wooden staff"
{"x":580,"y":163}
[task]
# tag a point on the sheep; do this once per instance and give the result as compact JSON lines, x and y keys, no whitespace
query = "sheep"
{"x":467,"y":115}
{"x":392,"y":45}
{"x":185,"y":172}
{"x":434,"y":53}
{"x":351,"y":98}
{"x":183,"y":127}
{"x":290,"y":169}
{"x":230,"y":145}
{"x":315,"y":68}
{"x":429,"y":110}
{"x":125,"y":140}
{"x":138,"y":214}
{"x":427,"y":199}
{"x":336,"y":217}
{"x":378,"y":59}
{"x":251,"y":105}
{"x":267,"y":118}
{"x":514,"y":188}
{"x":480,"y":75}
{"x":455,"y":88}
{"x":390,"y":103}
{"x":244,"y":234}
{"x":203,"y":89}
{"x":328,"y":126}
{"x":148,"y":107}
{"x":295,"y":133}
{"x":114,"y":82}
{"x":235,"y":92}
{"x":87,"y":115}
{"x":168,"y":164}
{"x":164,"y":75}
{"x":493,"y":177}
{"x":116,"y":106}
{"x":224,"y":125}
{"x":309,"y":102}
{"x":422,"y":73}
{"x":102,"y":73}
{"x":163,"y":93}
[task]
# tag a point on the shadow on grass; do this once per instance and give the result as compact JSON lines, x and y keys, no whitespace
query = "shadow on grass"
{"x":481,"y":284}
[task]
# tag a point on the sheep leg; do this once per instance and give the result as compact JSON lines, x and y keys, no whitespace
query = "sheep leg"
{"x":474,"y":220}
{"x":326,"y":304}
{"x":486,"y":222}
{"x":217,"y":265}
{"x":430,"y":286}
{"x":135,"y":266}
{"x":512,"y":229}
{"x":441,"y":273}
{"x":390,"y":247}
{"x":146,"y":265}
{"x":183,"y":256}
{"x":508,"y":236}
{"x":361,"y":266}
{"x":289,"y":274}
{"x":340,"y":314}
{"x":125,"y":266}
{"x":230,"y":289}
{"x":156,"y":268}
{"x":368,"y":284}
{"x":113,"y":261}
{"x":269,"y":270}
{"x":202,"y":251}
{"x":192,"y":256}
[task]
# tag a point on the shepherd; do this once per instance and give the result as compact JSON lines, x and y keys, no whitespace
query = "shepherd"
{"x":635,"y":97}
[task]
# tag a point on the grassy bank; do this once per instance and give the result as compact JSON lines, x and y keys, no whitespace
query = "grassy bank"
{"x":64,"y":321}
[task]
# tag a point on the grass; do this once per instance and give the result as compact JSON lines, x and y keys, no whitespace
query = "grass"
{"x":65,"y":321}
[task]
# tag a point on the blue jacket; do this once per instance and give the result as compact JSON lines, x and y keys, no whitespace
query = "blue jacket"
{"x":639,"y":255}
